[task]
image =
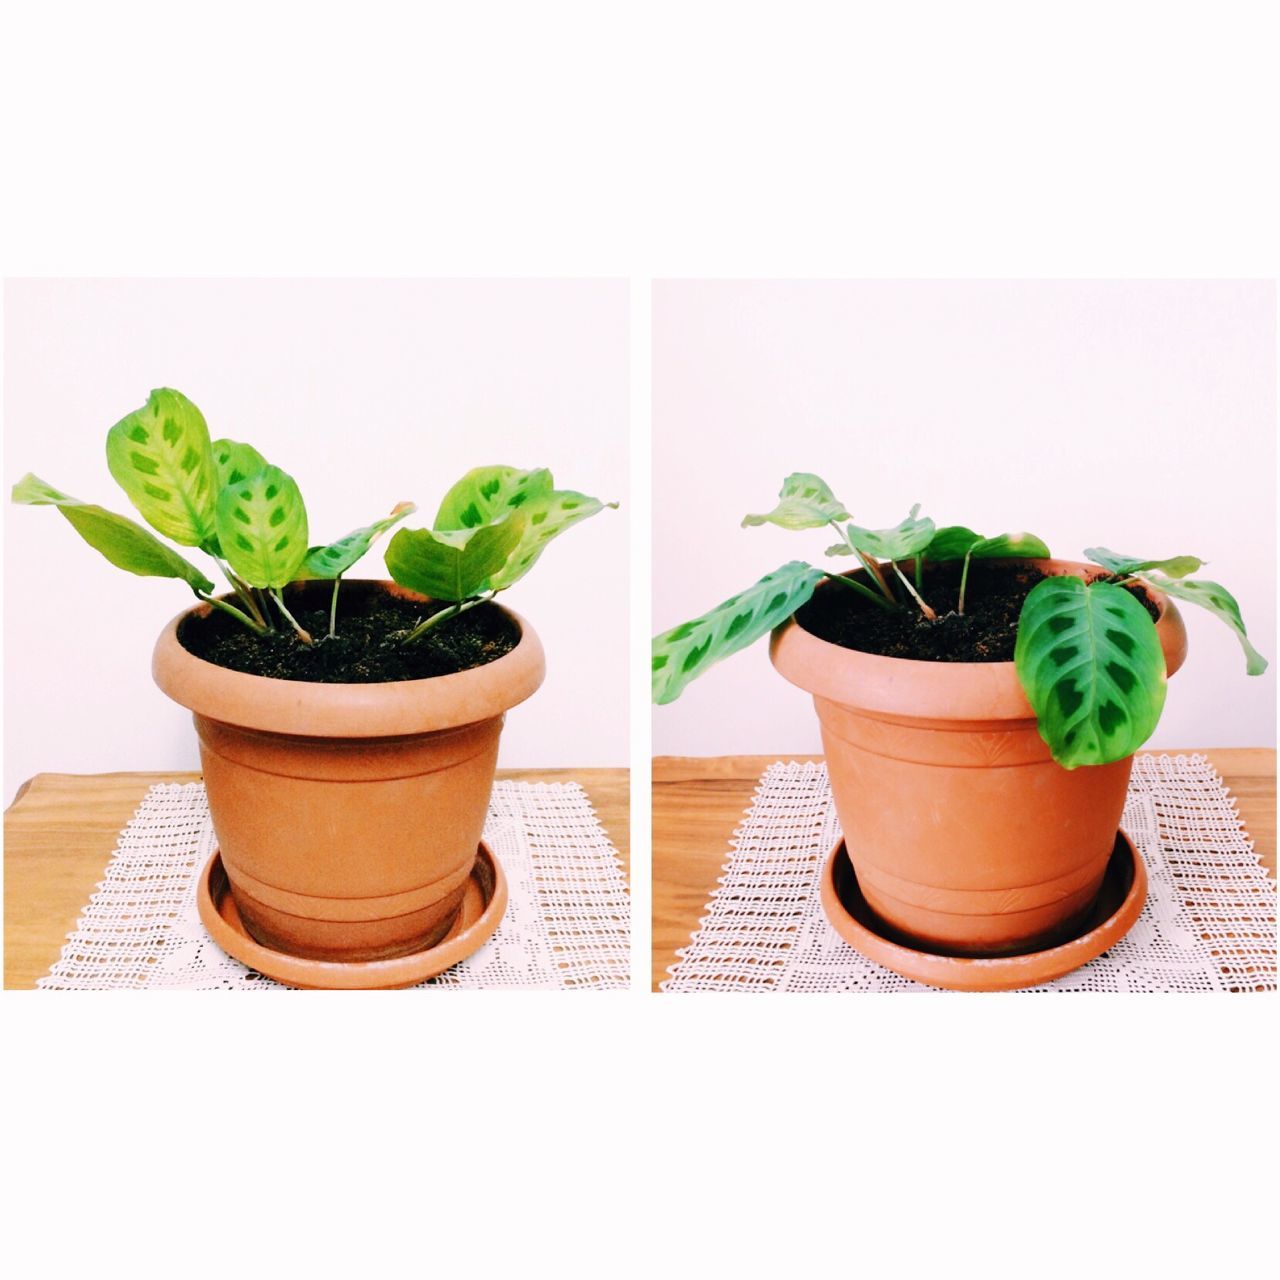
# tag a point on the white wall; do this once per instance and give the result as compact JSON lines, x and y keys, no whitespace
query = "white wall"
{"x":368,"y":392}
{"x":1139,"y":416}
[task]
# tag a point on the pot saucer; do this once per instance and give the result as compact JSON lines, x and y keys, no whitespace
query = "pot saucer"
{"x":483,"y":904}
{"x":1124,"y":890}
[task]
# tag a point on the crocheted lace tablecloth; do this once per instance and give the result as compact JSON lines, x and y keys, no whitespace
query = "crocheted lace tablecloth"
{"x":1209,"y":923}
{"x":566,"y":926}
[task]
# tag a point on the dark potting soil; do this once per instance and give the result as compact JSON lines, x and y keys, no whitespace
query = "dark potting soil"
{"x":987,"y":631}
{"x":368,"y":646}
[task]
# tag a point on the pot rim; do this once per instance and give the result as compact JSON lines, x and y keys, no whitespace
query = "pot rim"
{"x":392,"y":708}
{"x":944,"y":691}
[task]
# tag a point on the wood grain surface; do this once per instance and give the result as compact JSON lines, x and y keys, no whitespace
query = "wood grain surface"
{"x":61,"y":830}
{"x":698,"y":802}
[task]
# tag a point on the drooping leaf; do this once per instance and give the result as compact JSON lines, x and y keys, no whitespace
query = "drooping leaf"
{"x":236,"y":461}
{"x":453,"y":564}
{"x":1177,"y":567}
{"x":1219,"y":601}
{"x":334,"y":560}
{"x":1090,"y":663}
{"x":487,"y":494}
{"x":903,"y":541}
{"x":262,"y":527}
{"x":546,"y":516}
{"x":686,"y":651}
{"x":126,"y":544}
{"x":1008,"y":546}
{"x":161,"y":456}
{"x":951,"y":542}
{"x":805,"y":501}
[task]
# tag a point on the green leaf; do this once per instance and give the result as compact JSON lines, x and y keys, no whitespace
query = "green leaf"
{"x":161,"y":456}
{"x":453,"y":564}
{"x":236,"y":462}
{"x":1218,"y":600}
{"x":488,"y":494}
{"x":901,"y":542}
{"x":1091,"y":665}
{"x":546,"y":516}
{"x":1008,"y":546}
{"x":805,"y":502}
{"x":334,"y":560}
{"x":262,"y":528}
{"x":951,"y":542}
{"x":1177,"y":567}
{"x":126,"y":544}
{"x":686,"y":651}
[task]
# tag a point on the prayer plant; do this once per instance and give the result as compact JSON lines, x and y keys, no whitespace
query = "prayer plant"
{"x":1087,"y":653}
{"x":225,"y":499}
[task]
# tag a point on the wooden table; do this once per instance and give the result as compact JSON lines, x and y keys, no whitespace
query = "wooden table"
{"x":61,"y":830}
{"x":698,"y":803}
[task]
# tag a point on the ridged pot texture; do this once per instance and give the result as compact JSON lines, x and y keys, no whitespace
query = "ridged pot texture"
{"x":348,"y":815}
{"x":966,"y":836}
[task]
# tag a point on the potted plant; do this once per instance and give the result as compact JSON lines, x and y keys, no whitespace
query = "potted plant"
{"x":348,"y":729}
{"x":980,"y":704}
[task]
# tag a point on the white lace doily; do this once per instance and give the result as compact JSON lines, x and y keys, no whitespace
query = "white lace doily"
{"x":566,"y":925}
{"x":1209,"y":923}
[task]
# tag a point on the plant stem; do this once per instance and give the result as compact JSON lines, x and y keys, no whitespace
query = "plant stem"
{"x":964,"y":578}
{"x":304,"y":636}
{"x":919,"y":599}
{"x":257,"y":628}
{"x":333,"y":608}
{"x":873,"y":596}
{"x":870,"y":565}
{"x":919,"y":573}
{"x":244,"y":591}
{"x":445,"y":614}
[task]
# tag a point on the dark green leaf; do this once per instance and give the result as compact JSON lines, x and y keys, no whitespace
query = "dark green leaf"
{"x":126,"y":544}
{"x":1091,"y":665}
{"x":161,"y":456}
{"x":1219,"y":601}
{"x":686,"y":651}
{"x":1008,"y":546}
{"x":804,"y":502}
{"x":262,"y":528}
{"x":951,"y":542}
{"x":453,"y":564}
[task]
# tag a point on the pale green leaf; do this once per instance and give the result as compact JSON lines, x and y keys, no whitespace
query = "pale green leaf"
{"x":453,"y":564}
{"x":125,"y":544}
{"x":804,"y":502}
{"x":903,"y":541}
{"x":236,"y":461}
{"x":1090,"y":663}
{"x":546,"y":515}
{"x":686,"y":651}
{"x":488,"y":494}
{"x":262,"y":528}
{"x":1125,"y":566}
{"x":1220,"y":602}
{"x":161,"y":456}
{"x":334,"y":560}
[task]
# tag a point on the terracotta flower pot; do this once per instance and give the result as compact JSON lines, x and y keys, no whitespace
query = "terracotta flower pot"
{"x":965,"y":835}
{"x":348,"y":815}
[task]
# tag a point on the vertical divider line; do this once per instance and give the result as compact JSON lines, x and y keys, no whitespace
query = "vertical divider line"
{"x":641,"y":554}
